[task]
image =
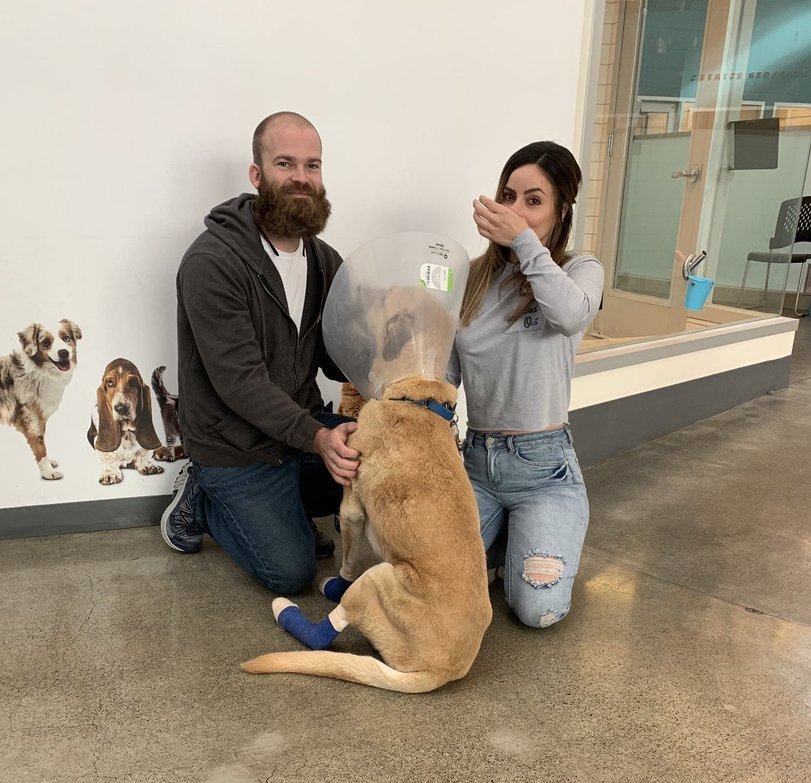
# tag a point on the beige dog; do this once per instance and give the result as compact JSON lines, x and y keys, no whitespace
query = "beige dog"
{"x":426,"y":607}
{"x":351,"y":400}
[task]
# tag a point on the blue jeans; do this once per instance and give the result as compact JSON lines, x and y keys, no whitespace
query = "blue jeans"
{"x":260,"y":514}
{"x":533,"y":512}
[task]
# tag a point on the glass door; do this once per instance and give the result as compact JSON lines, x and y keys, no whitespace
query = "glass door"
{"x":700,"y":157}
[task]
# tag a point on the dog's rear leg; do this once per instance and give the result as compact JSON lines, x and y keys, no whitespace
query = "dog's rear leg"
{"x":353,"y":521}
{"x":378,"y":605}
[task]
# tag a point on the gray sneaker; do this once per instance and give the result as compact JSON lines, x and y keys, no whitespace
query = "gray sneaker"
{"x":179,"y":526}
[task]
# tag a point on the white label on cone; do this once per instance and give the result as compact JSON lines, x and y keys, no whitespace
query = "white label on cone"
{"x":437,"y":277}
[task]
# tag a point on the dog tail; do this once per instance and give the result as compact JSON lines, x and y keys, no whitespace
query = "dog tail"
{"x":161,"y":393}
{"x":362,"y":669}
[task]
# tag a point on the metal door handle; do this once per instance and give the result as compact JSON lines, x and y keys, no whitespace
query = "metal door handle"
{"x":691,"y":262}
{"x":693,"y":173}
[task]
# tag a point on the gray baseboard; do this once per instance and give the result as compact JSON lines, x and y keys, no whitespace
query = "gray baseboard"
{"x":82,"y":517}
{"x":599,"y":432}
{"x":602,"y":430}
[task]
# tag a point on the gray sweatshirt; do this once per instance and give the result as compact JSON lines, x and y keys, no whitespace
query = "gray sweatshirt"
{"x":517,"y":377}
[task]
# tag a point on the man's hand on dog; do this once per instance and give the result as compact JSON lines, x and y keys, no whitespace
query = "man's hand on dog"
{"x":341,"y":460}
{"x":496,"y":221}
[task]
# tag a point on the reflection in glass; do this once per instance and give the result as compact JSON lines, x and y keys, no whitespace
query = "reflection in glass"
{"x":672,"y":35}
{"x":664,"y":66}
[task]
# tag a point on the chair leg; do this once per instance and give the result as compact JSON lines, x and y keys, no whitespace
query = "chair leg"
{"x":743,"y":284}
{"x":766,"y":285}
{"x":802,"y":279}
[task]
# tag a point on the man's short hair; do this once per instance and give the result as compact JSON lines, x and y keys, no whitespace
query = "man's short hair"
{"x":259,"y":133}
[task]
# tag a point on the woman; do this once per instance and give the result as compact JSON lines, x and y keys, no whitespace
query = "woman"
{"x":525,"y":308}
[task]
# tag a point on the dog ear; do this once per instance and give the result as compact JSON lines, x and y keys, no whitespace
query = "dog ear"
{"x":109,"y":437}
{"x":397,"y":331}
{"x":91,"y":433}
{"x":144,"y":428}
{"x":73,"y":328}
{"x":29,"y":338}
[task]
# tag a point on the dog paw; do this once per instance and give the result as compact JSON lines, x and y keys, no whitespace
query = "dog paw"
{"x":334,"y":587}
{"x":108,"y":477}
{"x":164,"y":454}
{"x":46,"y":469}
{"x":54,"y":463}
{"x":278,"y":605}
{"x":150,"y":470}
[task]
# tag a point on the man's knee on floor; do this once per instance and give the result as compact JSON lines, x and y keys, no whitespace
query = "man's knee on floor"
{"x":288,"y":580}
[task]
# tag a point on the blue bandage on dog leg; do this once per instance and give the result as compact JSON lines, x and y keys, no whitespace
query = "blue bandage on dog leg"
{"x":317,"y":636}
{"x":334,"y":588}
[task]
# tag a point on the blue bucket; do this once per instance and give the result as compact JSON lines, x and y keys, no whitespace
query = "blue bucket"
{"x":698,"y":289}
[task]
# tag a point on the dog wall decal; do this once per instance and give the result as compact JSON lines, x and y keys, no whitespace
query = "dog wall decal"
{"x":121,"y":429}
{"x":33,"y":381}
{"x":169,"y":407}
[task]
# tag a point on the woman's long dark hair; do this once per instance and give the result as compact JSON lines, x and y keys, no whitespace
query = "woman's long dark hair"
{"x":561,"y":169}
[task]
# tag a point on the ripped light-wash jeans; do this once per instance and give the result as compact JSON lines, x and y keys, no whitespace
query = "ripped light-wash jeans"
{"x":533,"y":512}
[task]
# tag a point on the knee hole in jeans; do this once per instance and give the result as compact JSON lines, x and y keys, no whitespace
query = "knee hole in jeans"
{"x":542,"y":570}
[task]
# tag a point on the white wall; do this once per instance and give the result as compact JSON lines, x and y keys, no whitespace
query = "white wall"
{"x":124,"y":123}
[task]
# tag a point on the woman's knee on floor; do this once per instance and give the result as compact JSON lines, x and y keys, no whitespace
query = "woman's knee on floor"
{"x":544,"y":594}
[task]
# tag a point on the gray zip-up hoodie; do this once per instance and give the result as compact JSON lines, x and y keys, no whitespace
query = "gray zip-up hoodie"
{"x":246,"y":375}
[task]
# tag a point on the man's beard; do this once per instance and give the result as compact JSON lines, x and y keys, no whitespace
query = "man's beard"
{"x":281,"y":214}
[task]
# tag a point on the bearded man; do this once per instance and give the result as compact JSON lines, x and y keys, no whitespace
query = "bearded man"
{"x":264,"y":455}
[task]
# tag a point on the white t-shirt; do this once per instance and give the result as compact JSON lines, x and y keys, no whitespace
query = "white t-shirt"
{"x":292,"y":268}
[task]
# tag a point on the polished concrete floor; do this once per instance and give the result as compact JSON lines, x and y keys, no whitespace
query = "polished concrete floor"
{"x":686,"y":657}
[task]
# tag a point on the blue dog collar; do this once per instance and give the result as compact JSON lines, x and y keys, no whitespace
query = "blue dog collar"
{"x":445,"y":411}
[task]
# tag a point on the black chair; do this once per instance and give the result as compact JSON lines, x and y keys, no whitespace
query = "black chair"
{"x":793,"y":225}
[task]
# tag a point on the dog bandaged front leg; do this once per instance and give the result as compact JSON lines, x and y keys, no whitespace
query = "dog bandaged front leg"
{"x":317,"y":636}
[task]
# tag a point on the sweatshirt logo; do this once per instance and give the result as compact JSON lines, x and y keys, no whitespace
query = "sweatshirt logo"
{"x":531,"y":321}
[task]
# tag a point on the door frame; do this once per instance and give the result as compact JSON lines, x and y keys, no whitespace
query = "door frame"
{"x":628,"y":313}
